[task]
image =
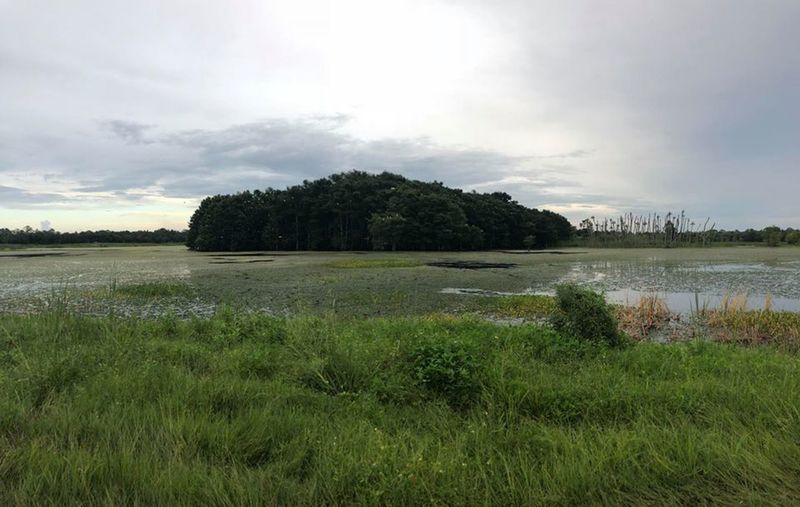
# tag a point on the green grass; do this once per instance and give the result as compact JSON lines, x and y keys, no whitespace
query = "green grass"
{"x":247,"y":410}
{"x":375,"y":263}
{"x":149,"y":290}
{"x":529,"y":307}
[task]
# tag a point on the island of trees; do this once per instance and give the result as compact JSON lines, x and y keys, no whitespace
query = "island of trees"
{"x":30,"y":236}
{"x":360,"y":211}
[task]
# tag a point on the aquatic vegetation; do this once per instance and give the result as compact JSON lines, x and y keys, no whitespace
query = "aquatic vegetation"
{"x":530,"y":307}
{"x":641,"y":318}
{"x":734,"y":322}
{"x":374,"y":263}
{"x":152,"y":290}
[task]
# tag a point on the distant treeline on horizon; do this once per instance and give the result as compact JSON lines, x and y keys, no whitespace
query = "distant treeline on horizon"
{"x":671,"y":230}
{"x":361,"y":211}
{"x":30,"y":236}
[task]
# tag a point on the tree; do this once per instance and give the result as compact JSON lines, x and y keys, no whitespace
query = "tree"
{"x":386,"y":230}
{"x":772,"y":235}
{"x":358,"y":210}
{"x":529,"y":241}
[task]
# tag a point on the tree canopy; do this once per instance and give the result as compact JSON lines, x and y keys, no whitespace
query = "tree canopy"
{"x":31,"y":236}
{"x":359,"y":211}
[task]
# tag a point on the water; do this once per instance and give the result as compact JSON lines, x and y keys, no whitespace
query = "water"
{"x":687,"y":302}
{"x":682,"y":285}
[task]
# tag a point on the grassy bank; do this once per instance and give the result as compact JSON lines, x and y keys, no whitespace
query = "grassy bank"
{"x":248,"y":410}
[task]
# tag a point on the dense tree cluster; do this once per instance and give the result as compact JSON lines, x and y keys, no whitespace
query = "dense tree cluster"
{"x":30,"y":236}
{"x":360,"y":211}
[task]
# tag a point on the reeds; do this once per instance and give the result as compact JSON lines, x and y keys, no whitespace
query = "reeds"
{"x":734,"y":321}
{"x":648,"y":314}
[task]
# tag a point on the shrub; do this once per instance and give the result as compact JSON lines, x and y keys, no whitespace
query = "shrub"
{"x":448,"y":369}
{"x":584,"y":314}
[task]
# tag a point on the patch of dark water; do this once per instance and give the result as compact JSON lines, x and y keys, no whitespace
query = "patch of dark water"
{"x":252,"y":254}
{"x":30,"y":255}
{"x":539,"y":252}
{"x":236,"y":261}
{"x":471,"y":265}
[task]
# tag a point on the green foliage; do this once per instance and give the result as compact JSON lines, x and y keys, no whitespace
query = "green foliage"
{"x":529,"y":241}
{"x":387,"y":230}
{"x":585,"y":314}
{"x":112,"y":411}
{"x":772,"y":236}
{"x":449,"y":369}
{"x":533,"y":306}
{"x":30,"y":236}
{"x":358,"y":211}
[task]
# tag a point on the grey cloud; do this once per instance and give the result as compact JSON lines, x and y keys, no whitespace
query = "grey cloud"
{"x":21,"y":198}
{"x":647,"y":105}
{"x":280,"y":152}
{"x":129,"y":131}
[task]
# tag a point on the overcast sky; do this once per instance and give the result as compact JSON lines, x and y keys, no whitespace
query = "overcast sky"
{"x":125,"y":114}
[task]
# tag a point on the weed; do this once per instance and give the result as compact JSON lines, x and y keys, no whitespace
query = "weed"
{"x":449,"y":369}
{"x":585,"y":314}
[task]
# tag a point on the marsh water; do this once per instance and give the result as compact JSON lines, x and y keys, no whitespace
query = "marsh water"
{"x":285,"y":282}
{"x":686,"y":285}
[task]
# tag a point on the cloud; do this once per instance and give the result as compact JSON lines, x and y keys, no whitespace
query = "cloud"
{"x":129,"y":131}
{"x":18,"y":197}
{"x":627,"y":105}
{"x":279,"y":152}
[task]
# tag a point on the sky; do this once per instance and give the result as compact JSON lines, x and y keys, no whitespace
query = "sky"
{"x":124,"y":115}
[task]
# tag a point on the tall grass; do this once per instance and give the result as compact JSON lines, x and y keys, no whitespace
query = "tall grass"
{"x":734,"y":321}
{"x":649,"y":313}
{"x":242,"y":409}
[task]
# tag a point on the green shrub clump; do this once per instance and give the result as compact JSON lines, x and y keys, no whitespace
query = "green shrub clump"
{"x":584,"y":314}
{"x":448,"y":369}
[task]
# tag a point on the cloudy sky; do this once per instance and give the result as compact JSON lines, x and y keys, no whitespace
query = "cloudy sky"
{"x":125,"y":114}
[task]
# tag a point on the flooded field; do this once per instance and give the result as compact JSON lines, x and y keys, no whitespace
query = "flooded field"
{"x":288,"y":282}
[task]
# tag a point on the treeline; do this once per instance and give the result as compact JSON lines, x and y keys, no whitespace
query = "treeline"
{"x":30,"y":236}
{"x":671,"y":230}
{"x":361,"y":211}
{"x":772,"y":236}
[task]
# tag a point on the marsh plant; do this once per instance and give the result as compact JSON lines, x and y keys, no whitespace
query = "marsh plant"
{"x":448,"y":369}
{"x":585,"y":314}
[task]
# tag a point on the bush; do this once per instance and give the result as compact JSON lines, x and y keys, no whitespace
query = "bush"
{"x":448,"y":369}
{"x":584,"y":314}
